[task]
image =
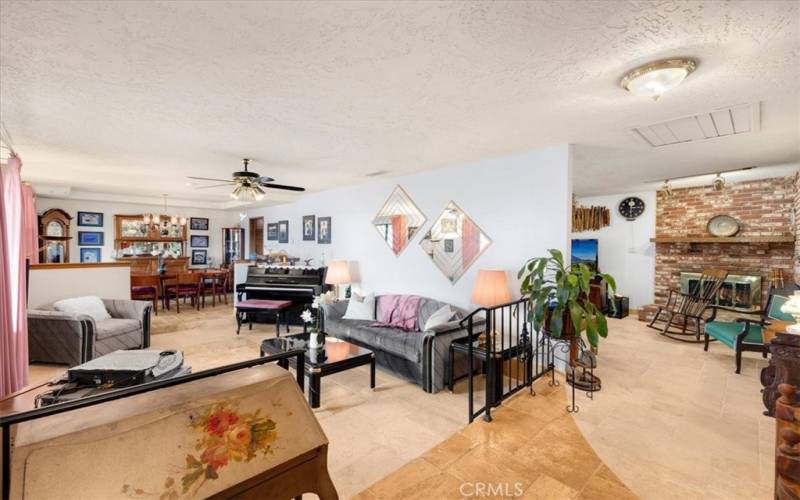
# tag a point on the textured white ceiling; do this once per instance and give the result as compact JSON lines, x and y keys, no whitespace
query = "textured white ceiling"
{"x":130,"y":97}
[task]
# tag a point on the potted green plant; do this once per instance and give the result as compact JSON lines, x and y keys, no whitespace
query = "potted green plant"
{"x":559,"y":297}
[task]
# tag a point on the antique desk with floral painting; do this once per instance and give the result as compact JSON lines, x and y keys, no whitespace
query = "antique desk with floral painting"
{"x":241,"y":431}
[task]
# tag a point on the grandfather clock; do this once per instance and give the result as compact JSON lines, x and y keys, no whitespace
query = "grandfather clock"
{"x":54,"y":236}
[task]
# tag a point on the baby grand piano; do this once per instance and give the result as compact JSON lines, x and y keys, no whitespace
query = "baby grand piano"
{"x":298,"y":284}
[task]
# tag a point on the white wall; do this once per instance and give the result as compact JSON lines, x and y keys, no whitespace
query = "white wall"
{"x":522,"y":202}
{"x":48,"y":285}
{"x":624,"y":247}
{"x":217,"y":220}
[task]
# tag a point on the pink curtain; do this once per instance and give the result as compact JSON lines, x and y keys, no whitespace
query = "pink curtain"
{"x":13,"y":318}
{"x":470,"y":241}
{"x":399,"y":232}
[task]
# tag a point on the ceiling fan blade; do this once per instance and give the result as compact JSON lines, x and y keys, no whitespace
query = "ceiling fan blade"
{"x":207,"y":179}
{"x":281,"y":186}
{"x":264,"y":179}
{"x":227,"y":184}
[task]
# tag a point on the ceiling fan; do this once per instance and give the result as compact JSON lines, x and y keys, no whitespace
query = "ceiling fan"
{"x":247,"y":184}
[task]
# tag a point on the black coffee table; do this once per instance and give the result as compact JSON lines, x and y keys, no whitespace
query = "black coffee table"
{"x":334,"y":357}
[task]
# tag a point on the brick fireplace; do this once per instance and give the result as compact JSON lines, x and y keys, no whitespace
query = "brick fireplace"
{"x":764,"y":208}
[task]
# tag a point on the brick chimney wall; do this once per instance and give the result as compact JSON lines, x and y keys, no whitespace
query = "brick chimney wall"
{"x":766,"y":207}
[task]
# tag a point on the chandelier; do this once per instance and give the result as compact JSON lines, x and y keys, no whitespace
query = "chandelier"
{"x":155,"y":219}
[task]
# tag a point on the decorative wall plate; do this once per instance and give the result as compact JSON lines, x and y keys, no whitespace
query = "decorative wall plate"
{"x":723,"y":226}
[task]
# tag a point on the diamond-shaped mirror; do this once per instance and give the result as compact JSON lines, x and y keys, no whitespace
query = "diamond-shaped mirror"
{"x":454,"y":242}
{"x":399,"y":220}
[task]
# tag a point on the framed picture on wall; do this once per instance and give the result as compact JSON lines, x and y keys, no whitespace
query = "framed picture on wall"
{"x":272,"y":231}
{"x":91,"y":219}
{"x":324,"y":230}
{"x":90,"y":238}
{"x":199,"y":257}
{"x":198,"y":241}
{"x":283,"y":231}
{"x":198,"y":224}
{"x":90,"y":255}
{"x":309,"y":228}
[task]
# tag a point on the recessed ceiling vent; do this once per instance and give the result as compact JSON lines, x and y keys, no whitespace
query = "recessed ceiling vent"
{"x":734,"y":120}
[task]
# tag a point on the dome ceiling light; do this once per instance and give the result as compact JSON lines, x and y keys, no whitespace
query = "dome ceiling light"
{"x":655,"y":78}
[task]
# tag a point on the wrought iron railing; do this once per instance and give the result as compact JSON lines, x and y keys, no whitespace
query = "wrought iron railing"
{"x":512,"y":353}
{"x":17,"y":418}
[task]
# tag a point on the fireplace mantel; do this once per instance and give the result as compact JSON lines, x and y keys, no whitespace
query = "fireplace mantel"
{"x":722,"y":239}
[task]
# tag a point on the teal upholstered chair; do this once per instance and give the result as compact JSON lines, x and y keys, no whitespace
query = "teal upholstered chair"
{"x":746,"y":334}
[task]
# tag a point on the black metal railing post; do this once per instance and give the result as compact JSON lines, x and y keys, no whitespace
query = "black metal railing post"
{"x":518,"y":344}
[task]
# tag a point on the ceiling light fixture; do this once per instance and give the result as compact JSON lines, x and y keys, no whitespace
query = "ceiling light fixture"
{"x":666,"y":188}
{"x":655,"y":78}
{"x":718,"y":183}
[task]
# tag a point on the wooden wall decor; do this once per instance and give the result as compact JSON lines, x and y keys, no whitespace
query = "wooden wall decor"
{"x":589,"y":218}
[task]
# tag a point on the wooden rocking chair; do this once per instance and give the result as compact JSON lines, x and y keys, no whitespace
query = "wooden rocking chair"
{"x":683,"y":307}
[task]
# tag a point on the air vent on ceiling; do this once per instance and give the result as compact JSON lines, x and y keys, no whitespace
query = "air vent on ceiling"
{"x":734,"y":120}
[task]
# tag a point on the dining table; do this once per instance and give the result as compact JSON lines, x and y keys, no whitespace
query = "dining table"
{"x":216,"y":276}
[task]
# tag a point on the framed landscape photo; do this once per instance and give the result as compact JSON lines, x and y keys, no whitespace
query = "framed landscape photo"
{"x":198,"y":224}
{"x":283,"y":231}
{"x":90,"y":255}
{"x":90,"y":238}
{"x":198,"y":241}
{"x":272,"y":231}
{"x":90,"y":219}
{"x":199,"y":257}
{"x":324,"y":230}
{"x":309,"y":228}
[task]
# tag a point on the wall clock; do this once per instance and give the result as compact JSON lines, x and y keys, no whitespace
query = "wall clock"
{"x":631,"y":207}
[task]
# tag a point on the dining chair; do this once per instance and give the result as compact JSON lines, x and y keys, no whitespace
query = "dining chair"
{"x":217,"y":281}
{"x":189,"y":285}
{"x":146,"y":287}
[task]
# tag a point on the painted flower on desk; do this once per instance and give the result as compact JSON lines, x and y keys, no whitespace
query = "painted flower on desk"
{"x":226,"y":435}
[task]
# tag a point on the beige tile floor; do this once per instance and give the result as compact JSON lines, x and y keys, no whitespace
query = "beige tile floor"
{"x":670,"y":422}
{"x":673,"y":421}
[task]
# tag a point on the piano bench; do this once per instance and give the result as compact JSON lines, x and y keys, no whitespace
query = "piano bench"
{"x":247,"y":309}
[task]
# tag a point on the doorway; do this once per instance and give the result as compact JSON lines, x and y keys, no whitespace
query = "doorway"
{"x":257,"y":235}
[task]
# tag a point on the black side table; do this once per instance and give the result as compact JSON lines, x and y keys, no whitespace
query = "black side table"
{"x":497,"y":358}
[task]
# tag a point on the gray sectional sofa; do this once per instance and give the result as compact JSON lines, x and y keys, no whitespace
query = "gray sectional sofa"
{"x":420,"y":356}
{"x":72,"y":339}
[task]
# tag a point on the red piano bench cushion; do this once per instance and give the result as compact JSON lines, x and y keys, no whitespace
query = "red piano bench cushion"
{"x":263,"y":304}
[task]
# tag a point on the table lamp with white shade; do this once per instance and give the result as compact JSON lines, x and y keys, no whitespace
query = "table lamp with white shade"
{"x":338,"y":274}
{"x":792,"y":306}
{"x":491,"y":289}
